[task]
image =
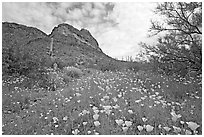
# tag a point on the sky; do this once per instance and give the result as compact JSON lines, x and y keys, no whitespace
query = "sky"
{"x":117,"y":26}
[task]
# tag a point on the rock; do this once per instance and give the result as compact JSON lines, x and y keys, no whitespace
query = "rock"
{"x":88,"y":37}
{"x":72,"y":35}
{"x":70,"y":47}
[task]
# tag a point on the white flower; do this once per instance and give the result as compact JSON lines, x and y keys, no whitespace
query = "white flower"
{"x":119,"y":95}
{"x":125,"y":129}
{"x":167,"y":129}
{"x":130,"y":111}
{"x":182,"y":122}
{"x":177,"y":129}
{"x":65,"y":118}
{"x":106,"y":97}
{"x":140,"y":128}
{"x":67,"y":100}
{"x":157,"y":93}
{"x":78,"y":94}
{"x":144,"y":119}
{"x":159,"y":97}
{"x":101,"y":111}
{"x":149,"y":128}
{"x":56,"y":125}
{"x":95,"y":116}
{"x":115,"y":99}
{"x":107,"y":111}
{"x":128,"y":123}
{"x":78,"y":101}
{"x":116,"y":106}
{"x":94,"y":108}
{"x":75,"y":132}
{"x":89,"y":132}
{"x":96,"y":133}
{"x":119,"y":122}
{"x":175,"y":116}
{"x":157,"y":102}
{"x":84,"y":123}
{"x":143,"y":98}
{"x":192,"y":125}
{"x":96,"y":123}
{"x":188,"y":132}
{"x":107,"y":107}
{"x":137,"y":101}
{"x":85,"y":112}
{"x":55,"y":119}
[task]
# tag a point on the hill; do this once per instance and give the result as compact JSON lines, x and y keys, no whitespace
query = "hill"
{"x":57,"y":84}
{"x":71,"y":47}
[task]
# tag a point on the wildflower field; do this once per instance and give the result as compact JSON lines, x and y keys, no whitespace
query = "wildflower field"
{"x":105,"y":103}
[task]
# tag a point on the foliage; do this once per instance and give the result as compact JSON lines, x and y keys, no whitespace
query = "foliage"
{"x":72,"y":72}
{"x":133,"y":66}
{"x":179,"y":49}
{"x":17,"y":62}
{"x":108,"y":66}
{"x":114,"y":103}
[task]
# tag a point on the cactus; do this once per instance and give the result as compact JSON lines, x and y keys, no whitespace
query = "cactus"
{"x":51,"y":47}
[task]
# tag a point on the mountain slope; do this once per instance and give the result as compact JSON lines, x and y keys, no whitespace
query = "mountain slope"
{"x":71,"y":47}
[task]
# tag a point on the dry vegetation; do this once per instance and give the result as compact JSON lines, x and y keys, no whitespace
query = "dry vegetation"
{"x":113,"y":103}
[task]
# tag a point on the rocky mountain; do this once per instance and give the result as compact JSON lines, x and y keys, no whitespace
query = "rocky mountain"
{"x":73,"y":35}
{"x":70,"y":47}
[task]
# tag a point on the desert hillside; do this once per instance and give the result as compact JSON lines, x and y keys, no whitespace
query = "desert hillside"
{"x":63,"y":84}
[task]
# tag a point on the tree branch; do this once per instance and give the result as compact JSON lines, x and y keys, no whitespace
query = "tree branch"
{"x":186,"y":20}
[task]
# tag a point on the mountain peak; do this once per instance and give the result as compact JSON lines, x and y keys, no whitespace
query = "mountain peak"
{"x":66,"y":31}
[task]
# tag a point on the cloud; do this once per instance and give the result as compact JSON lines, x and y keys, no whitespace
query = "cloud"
{"x":133,"y":22}
{"x":32,"y":14}
{"x":118,"y":27}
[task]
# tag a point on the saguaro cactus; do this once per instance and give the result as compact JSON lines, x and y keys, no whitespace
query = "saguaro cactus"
{"x":52,"y":55}
{"x":51,"y":47}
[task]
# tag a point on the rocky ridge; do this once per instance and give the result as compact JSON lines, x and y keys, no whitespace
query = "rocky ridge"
{"x":71,"y":47}
{"x":74,"y":35}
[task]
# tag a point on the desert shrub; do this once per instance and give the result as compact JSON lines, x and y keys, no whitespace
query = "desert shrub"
{"x":14,"y":102}
{"x":17,"y":62}
{"x":88,"y":71}
{"x":72,"y":72}
{"x":54,"y":80}
{"x":108,"y":66}
{"x":133,"y":66}
{"x":20,"y":62}
{"x":62,"y":63}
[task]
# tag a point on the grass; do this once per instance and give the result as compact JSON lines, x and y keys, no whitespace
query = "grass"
{"x":113,"y":103}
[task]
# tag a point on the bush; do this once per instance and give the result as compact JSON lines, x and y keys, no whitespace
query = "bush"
{"x":133,"y":66}
{"x":72,"y":72}
{"x":108,"y":66}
